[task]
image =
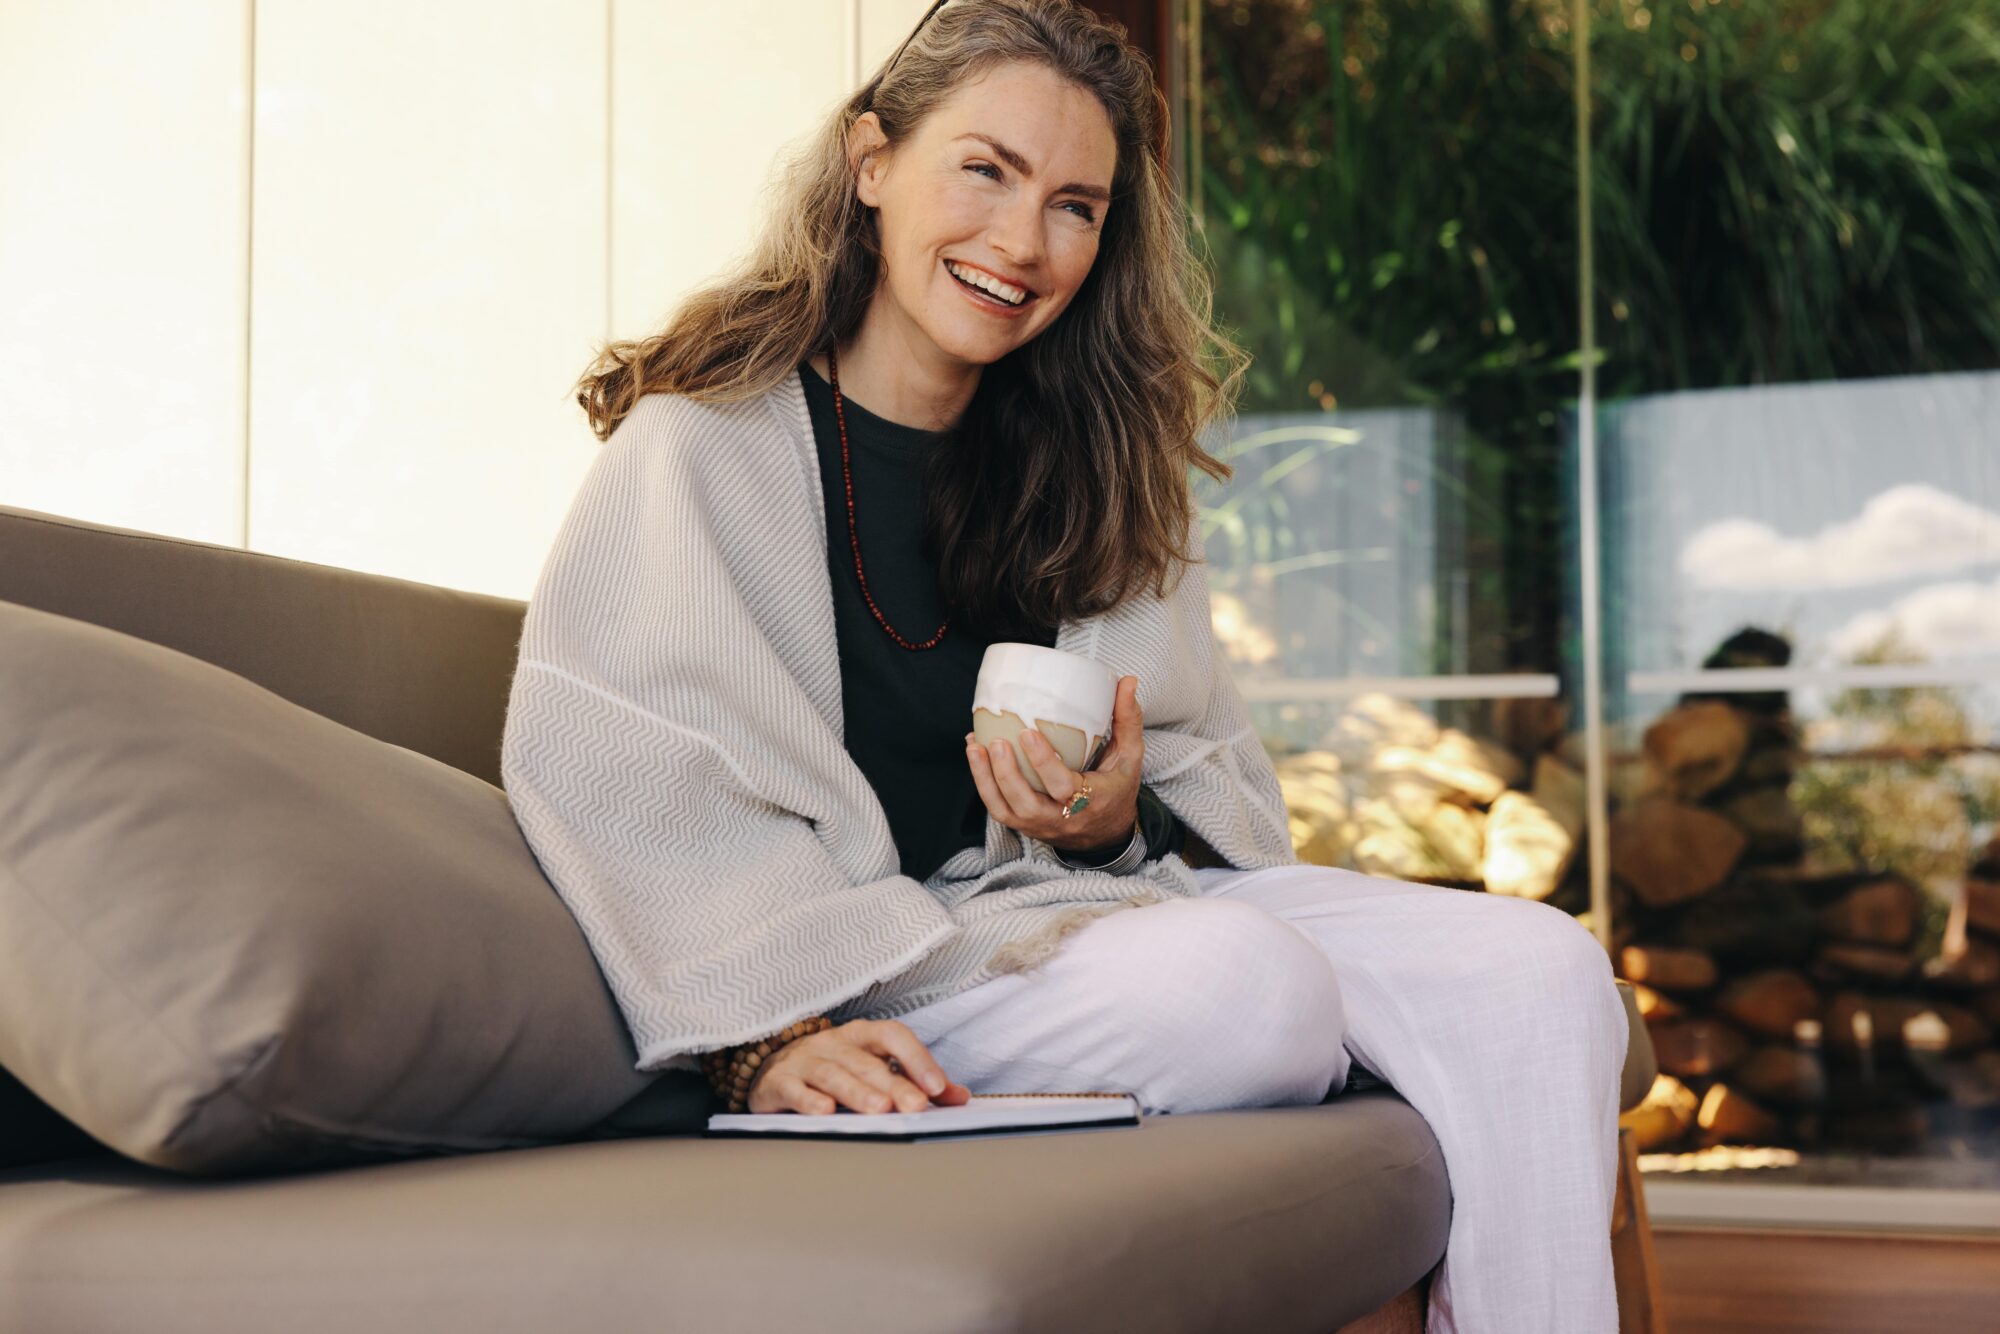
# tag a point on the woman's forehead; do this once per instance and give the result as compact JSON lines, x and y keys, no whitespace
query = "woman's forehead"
{"x":1041,"y":119}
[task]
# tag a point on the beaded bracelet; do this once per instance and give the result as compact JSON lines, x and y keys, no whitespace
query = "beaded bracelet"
{"x":731,"y":1070}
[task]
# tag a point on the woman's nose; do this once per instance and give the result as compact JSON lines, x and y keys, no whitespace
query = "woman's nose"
{"x":1016,"y":232}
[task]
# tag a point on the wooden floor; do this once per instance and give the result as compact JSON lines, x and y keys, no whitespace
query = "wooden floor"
{"x":1721,"y":1282}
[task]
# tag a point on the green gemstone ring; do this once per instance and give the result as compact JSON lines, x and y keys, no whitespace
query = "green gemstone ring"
{"x":1077,"y":800}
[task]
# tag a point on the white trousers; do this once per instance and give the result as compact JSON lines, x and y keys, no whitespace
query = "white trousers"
{"x":1496,"y":1018}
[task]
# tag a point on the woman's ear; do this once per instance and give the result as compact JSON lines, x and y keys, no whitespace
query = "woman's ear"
{"x":865,"y":142}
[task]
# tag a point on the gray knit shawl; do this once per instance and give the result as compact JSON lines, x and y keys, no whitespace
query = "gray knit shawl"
{"x":673,"y":755}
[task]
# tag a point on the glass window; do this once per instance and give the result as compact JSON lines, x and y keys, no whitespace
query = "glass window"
{"x":1756,"y":401}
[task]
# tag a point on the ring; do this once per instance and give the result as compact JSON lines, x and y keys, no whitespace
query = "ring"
{"x":1077,"y":799}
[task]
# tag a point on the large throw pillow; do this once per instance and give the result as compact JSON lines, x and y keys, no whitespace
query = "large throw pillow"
{"x":236,"y":936}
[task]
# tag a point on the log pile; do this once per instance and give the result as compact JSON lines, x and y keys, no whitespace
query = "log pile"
{"x":1789,"y":1004}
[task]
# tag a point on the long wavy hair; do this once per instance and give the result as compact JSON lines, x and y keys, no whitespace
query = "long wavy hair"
{"x":1064,"y":486}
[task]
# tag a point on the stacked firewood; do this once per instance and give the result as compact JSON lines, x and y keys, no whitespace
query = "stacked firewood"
{"x":1788,"y":1004}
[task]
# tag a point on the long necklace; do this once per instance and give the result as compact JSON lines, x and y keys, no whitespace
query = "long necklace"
{"x":854,"y":535}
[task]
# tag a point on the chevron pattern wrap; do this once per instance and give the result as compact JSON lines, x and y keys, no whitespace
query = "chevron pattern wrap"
{"x":673,"y":755}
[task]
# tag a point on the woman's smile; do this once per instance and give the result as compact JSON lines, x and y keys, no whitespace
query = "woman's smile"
{"x":987,"y":301}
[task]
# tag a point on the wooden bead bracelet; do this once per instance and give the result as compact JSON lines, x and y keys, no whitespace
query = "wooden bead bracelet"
{"x":731,"y":1070}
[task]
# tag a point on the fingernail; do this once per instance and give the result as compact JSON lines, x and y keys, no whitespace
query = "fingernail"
{"x":933,"y":1083}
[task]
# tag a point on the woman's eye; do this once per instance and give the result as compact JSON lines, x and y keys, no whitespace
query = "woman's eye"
{"x":1083,"y":211}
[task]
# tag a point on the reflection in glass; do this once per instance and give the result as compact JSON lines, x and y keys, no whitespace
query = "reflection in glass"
{"x":1797,"y":231}
{"x":1391,"y":235}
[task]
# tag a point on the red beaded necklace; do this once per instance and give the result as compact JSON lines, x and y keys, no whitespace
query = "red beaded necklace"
{"x":853,"y":534}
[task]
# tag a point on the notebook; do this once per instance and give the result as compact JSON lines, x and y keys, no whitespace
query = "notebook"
{"x":983,"y":1114}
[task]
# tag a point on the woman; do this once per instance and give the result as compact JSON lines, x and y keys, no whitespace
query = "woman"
{"x":952,"y":398}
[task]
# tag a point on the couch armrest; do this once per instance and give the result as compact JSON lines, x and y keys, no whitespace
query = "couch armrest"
{"x":1641,"y":1065}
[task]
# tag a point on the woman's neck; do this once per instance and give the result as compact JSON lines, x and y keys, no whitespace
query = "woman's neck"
{"x":895,"y":379}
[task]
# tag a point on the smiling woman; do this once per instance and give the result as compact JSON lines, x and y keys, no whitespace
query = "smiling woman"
{"x":971,"y":339}
{"x":987,"y":232}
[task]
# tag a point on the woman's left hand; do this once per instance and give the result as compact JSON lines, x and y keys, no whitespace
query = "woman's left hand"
{"x":1114,"y":783}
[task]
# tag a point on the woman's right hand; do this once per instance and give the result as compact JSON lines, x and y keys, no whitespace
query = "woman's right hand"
{"x":849,"y":1066}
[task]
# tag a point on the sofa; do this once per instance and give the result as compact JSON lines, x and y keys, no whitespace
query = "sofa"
{"x":1310,"y":1219}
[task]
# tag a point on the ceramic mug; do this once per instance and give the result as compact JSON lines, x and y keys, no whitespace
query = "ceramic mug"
{"x":1066,"y":697}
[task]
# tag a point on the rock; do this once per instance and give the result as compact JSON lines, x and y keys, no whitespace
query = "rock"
{"x":1400,"y":795}
{"x":1669,"y":853}
{"x":1527,"y":848}
{"x":1663,"y":1117}
{"x":1769,"y":820}
{"x":1696,"y":748}
{"x":1319,"y":806}
{"x":1781,"y":1075}
{"x":1881,"y":912}
{"x":1459,"y":835}
{"x":1697,"y":1048}
{"x":1476,"y":753}
{"x":1561,"y":792}
{"x":1975,"y":966}
{"x":1375,"y":720}
{"x":1770,"y":1002}
{"x":1399,"y":853}
{"x":1456,"y":760}
{"x":1729,"y":1116}
{"x":1667,"y":967}
{"x":1838,"y":961}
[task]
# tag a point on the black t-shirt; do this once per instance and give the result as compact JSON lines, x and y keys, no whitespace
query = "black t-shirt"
{"x":907,"y":712}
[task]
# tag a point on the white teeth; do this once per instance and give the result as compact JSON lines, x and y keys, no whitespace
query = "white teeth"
{"x":1007,"y":292}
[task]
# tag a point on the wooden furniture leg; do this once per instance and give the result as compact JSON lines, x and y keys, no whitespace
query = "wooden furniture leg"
{"x":1633,"y":1263}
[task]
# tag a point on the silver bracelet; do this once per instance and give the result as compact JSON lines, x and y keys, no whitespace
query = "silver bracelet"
{"x":1124,"y":864}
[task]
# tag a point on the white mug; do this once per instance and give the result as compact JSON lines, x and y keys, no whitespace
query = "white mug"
{"x":1066,"y":697}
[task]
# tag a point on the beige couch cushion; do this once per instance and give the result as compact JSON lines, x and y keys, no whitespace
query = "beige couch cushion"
{"x":236,"y":935}
{"x":1277,"y":1219}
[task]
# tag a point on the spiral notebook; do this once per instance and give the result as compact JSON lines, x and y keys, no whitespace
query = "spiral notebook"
{"x":983,"y":1114}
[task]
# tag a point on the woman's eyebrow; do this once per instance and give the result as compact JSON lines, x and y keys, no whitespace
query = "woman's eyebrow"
{"x":1020,"y":164}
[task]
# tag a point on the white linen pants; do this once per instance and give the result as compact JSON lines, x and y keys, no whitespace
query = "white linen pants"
{"x":1496,"y":1018}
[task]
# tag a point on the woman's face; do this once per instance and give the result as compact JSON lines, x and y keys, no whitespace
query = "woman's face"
{"x":1010,"y":177}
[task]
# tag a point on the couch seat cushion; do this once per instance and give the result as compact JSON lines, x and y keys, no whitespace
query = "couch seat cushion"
{"x":1278,"y":1219}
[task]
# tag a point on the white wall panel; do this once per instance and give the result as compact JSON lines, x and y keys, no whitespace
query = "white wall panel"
{"x":428,"y":279}
{"x":121,"y":261}
{"x":704,"y":97}
{"x":884,"y":25}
